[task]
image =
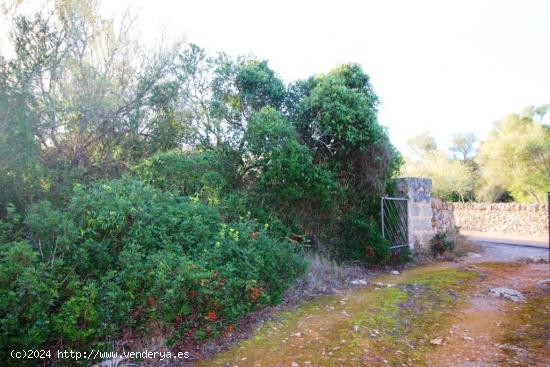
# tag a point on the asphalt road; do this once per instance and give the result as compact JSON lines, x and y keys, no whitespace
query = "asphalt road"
{"x":508,"y":252}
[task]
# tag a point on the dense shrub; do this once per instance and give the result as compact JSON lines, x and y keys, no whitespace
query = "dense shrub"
{"x":124,"y":254}
{"x":206,"y":174}
{"x":196,"y":238}
{"x":442,"y":242}
{"x":362,"y":240}
{"x":27,"y":294}
{"x":287,"y":179}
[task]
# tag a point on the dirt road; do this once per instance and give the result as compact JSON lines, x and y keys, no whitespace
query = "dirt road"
{"x":436,"y":315}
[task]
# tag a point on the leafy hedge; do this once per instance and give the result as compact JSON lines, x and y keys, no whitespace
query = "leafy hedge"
{"x":123,"y":255}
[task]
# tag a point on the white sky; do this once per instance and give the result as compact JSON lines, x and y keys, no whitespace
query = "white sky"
{"x":441,"y":66}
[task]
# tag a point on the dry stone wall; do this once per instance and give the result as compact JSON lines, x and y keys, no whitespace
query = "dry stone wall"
{"x":443,"y":219}
{"x":426,"y":215}
{"x":524,"y":219}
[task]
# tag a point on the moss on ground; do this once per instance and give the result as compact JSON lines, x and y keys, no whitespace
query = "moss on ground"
{"x":390,"y":326}
{"x":527,"y":338}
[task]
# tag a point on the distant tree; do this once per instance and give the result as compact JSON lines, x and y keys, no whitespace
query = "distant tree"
{"x":464,"y":146}
{"x":516,"y":157}
{"x":422,"y":144}
{"x":451,"y":178}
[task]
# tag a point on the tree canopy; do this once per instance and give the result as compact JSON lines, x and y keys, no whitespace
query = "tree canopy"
{"x":512,"y":163}
{"x":516,"y":157}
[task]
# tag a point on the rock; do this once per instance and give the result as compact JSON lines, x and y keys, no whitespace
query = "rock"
{"x":294,"y":364}
{"x":508,"y":293}
{"x":436,"y":341}
{"x":395,"y":272}
{"x":468,"y":338}
{"x":297,"y":335}
{"x":544,"y":282}
{"x":473,"y":254}
{"x":359,"y":282}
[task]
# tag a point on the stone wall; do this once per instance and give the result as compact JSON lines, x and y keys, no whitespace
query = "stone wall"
{"x":442,"y":216}
{"x":524,"y":219}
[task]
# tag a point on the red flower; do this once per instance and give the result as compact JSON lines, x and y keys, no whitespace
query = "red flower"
{"x":370,"y":251}
{"x":193,"y":294}
{"x":256,"y":292}
{"x":229,"y":328}
{"x":254,"y":235}
{"x":212,"y":316}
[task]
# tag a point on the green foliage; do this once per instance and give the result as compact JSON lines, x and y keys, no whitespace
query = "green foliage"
{"x":451,"y":179}
{"x":124,"y":254}
{"x":362,"y":240}
{"x":206,"y":174}
{"x":336,"y":116}
{"x":512,"y":164}
{"x":288,"y":177}
{"x":516,"y":158}
{"x":220,"y":164}
{"x":26,"y":296}
{"x":441,"y":243}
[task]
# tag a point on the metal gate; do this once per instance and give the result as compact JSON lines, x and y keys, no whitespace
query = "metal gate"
{"x":394,"y":212}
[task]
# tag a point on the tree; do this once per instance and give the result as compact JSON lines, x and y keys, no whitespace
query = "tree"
{"x":80,"y":99}
{"x":516,"y":158}
{"x":422,"y":144}
{"x":219,"y":94}
{"x":336,"y":117}
{"x":464,"y":146}
{"x":452,"y":179}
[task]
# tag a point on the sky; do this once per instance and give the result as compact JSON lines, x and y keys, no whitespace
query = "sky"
{"x":437,"y":66}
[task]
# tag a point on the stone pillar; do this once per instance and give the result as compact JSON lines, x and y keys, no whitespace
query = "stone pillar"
{"x":419,"y":192}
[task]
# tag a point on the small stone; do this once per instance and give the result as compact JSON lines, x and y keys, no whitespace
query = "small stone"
{"x":468,"y":338}
{"x":395,"y":272}
{"x":359,"y":282}
{"x":297,"y":335}
{"x":436,"y":341}
{"x":544,"y":282}
{"x":294,"y":364}
{"x":508,"y":293}
{"x":473,"y":254}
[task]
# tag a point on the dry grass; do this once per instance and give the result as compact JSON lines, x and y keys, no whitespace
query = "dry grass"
{"x":323,"y":275}
{"x":463,"y":246}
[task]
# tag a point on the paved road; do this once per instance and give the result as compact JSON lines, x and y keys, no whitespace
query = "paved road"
{"x":506,"y":252}
{"x":507,"y":238}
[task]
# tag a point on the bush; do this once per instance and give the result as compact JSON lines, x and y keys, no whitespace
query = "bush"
{"x":363,"y":241}
{"x":441,"y":243}
{"x":400,"y":256}
{"x":288,"y":180}
{"x":123,"y":255}
{"x":205,"y":174}
{"x":26,"y":297}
